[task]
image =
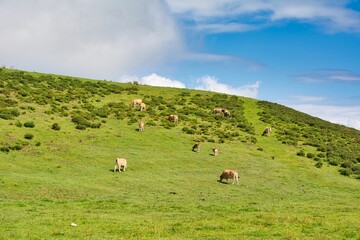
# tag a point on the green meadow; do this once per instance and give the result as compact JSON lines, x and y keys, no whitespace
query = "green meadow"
{"x":52,"y":177}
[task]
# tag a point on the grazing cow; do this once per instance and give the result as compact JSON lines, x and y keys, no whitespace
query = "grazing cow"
{"x":196,"y":147}
{"x":120,"y":163}
{"x":174,"y":118}
{"x":141,"y":126}
{"x":142,"y":106}
{"x":135,"y":102}
{"x":232,"y":174}
{"x":216,"y":151}
{"x":267,"y":131}
{"x":226,"y":112}
{"x":217,"y":110}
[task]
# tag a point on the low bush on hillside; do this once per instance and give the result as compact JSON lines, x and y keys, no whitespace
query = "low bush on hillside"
{"x":30,"y":124}
{"x":55,"y":126}
{"x":29,"y":136}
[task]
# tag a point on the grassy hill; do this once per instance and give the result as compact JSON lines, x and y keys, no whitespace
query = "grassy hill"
{"x":61,"y":135}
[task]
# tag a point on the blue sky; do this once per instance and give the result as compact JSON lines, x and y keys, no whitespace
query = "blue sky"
{"x":304,"y":54}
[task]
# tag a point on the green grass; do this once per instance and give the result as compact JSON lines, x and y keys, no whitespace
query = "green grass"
{"x":167,"y":191}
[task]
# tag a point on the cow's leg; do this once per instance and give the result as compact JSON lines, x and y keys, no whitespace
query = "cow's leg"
{"x":115,"y":168}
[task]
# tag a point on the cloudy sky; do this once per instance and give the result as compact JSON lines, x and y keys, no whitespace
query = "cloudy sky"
{"x":301,"y":53}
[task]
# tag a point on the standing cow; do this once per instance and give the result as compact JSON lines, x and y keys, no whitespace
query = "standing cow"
{"x":142,"y":107}
{"x":216,"y":151}
{"x":120,"y":164}
{"x":141,"y":126}
{"x":174,"y":118}
{"x":267,"y":131}
{"x":232,"y":174}
{"x":196,"y":147}
{"x":135,"y":102}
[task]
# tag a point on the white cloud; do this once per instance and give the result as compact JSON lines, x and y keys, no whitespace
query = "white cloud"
{"x":344,"y":115}
{"x":156,"y":80}
{"x":307,"y":99}
{"x":333,"y":16}
{"x":329,"y":75}
{"x":212,"y":84}
{"x":101,"y":39}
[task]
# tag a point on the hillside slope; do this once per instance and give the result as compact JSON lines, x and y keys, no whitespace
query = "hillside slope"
{"x":61,"y":135}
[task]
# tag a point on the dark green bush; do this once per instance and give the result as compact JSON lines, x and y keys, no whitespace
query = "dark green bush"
{"x":29,"y":136}
{"x":5,"y":149}
{"x":29,"y":124}
{"x":310,"y":155}
{"x":55,"y":126}
{"x":301,"y":153}
{"x":345,"y":171}
{"x":319,"y":164}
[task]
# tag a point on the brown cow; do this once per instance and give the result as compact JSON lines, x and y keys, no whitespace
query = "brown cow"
{"x":216,"y":151}
{"x":196,"y":147}
{"x":142,"y":106}
{"x":120,"y":163}
{"x":267,"y":131}
{"x":141,"y":126}
{"x":174,"y":118}
{"x":232,"y":174}
{"x":217,"y":110}
{"x":135,"y":102}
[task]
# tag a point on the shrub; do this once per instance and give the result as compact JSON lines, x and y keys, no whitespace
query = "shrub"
{"x":29,"y":124}
{"x":18,"y":124}
{"x":55,"y":126}
{"x":5,"y":149}
{"x":80,"y":127}
{"x":345,"y":171}
{"x":310,"y":155}
{"x":151,"y":123}
{"x":347,"y":164}
{"x":188,"y":130}
{"x":333,"y":161}
{"x":29,"y":136}
{"x":301,"y":153}
{"x":319,"y":164}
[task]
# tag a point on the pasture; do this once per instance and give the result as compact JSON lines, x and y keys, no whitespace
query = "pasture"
{"x":168,"y":191}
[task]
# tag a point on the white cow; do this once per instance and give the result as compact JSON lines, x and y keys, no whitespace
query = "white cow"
{"x":141,"y":126}
{"x":216,"y":151}
{"x":120,"y":163}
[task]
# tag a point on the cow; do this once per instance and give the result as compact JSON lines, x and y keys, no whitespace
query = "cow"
{"x":267,"y":131}
{"x":135,"y":102}
{"x":120,"y":163}
{"x":226,"y":112}
{"x":216,"y":151}
{"x":217,"y":110}
{"x":196,"y":147}
{"x":174,"y":118}
{"x":142,"y":106}
{"x":141,"y":126}
{"x":232,"y":174}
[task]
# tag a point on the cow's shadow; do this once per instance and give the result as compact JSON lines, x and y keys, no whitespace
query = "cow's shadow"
{"x":222,"y":182}
{"x":112,"y":170}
